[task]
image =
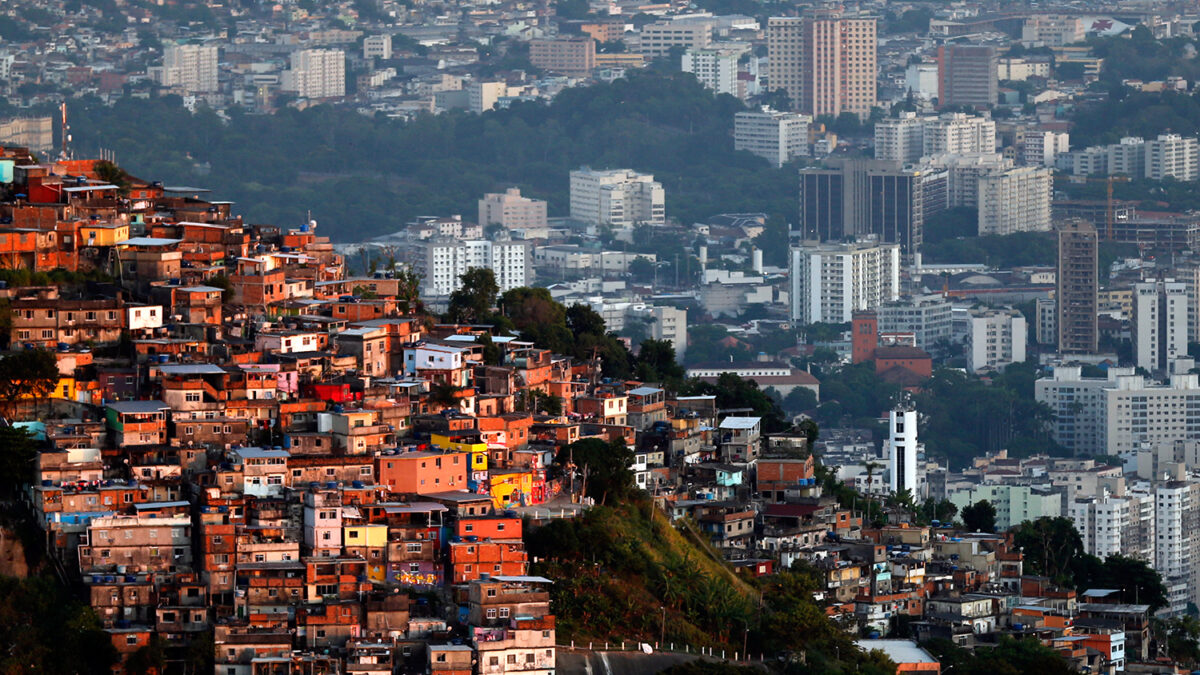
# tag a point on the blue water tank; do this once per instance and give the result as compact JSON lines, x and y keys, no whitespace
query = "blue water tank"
{"x":331,"y":485}
{"x":287,"y":442}
{"x":163,"y":358}
{"x":358,"y":484}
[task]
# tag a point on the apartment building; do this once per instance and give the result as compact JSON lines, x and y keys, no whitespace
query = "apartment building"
{"x":1014,"y":503}
{"x":958,"y":134}
{"x":1015,"y":200}
{"x":901,"y":139}
{"x":1118,"y":413}
{"x":927,"y":317}
{"x":1112,"y":525}
{"x":1051,"y":30}
{"x":995,"y":339}
{"x":665,"y":323}
{"x":715,"y":68}
{"x":824,"y":61}
{"x":862,"y":197}
{"x":190,"y":68}
{"x":831,"y":281}
{"x":512,"y":211}
{"x":1042,"y":148}
{"x":1172,"y":156}
{"x":968,"y":75}
{"x":441,"y":262}
{"x":1159,"y":323}
{"x":618,"y":197}
{"x":1076,"y":287}
{"x":658,"y":39}
{"x":377,"y":47}
{"x":963,"y":172}
{"x":570,"y":56}
{"x":779,"y":137}
{"x":316,"y":73}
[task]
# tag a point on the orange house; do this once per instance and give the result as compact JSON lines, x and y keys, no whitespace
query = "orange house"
{"x":496,"y":528}
{"x":423,"y":472}
{"x":471,"y":559}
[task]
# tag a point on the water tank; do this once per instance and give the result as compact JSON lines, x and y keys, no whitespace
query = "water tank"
{"x":163,"y":358}
{"x":331,"y":485}
{"x":304,"y":227}
{"x":313,"y":485}
{"x":287,"y":442}
{"x":357,"y":484}
{"x":1018,"y":626}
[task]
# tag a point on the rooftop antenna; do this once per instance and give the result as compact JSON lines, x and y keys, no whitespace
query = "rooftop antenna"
{"x":64,"y":154}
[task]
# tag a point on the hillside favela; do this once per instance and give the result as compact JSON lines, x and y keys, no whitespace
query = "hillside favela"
{"x":599,"y":337}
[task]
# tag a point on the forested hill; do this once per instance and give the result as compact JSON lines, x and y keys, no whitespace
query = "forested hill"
{"x":363,"y":176}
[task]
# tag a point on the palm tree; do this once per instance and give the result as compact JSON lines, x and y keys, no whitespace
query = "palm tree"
{"x":871,"y":467}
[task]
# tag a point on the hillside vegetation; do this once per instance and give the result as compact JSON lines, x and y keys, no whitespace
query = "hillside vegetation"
{"x":617,"y":569}
{"x":365,"y":176}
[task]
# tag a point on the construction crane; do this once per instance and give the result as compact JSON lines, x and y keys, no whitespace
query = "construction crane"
{"x":1108,"y":211}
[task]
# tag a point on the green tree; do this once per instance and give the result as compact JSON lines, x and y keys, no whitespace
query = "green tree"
{"x":1052,"y":547}
{"x":606,"y":465}
{"x":979,"y":517}
{"x":17,"y":455}
{"x":799,"y":400}
{"x":31,"y":374}
{"x":571,"y":10}
{"x":539,"y":318}
{"x":45,"y":630}
{"x":734,"y":392}
{"x":473,"y":302}
{"x":408,"y":292}
{"x":656,"y":362}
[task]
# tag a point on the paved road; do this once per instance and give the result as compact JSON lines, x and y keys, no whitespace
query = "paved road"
{"x":583,"y":662}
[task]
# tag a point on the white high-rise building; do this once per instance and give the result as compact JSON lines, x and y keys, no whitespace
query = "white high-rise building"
{"x":1016,"y":200}
{"x":927,"y":317}
{"x":316,"y":73}
{"x":715,"y":68}
{"x":1115,"y":414}
{"x":1127,"y":158}
{"x":192,"y":68}
{"x":900,"y":139}
{"x":831,"y":281}
{"x":995,"y":339}
{"x":665,"y":323}
{"x":619,"y":197}
{"x":1111,"y":525}
{"x":657,"y":39}
{"x":1159,"y":323}
{"x":902,"y":451}
{"x":1177,"y":544}
{"x":443,"y":261}
{"x":778,"y":137}
{"x":1172,"y":156}
{"x":377,"y":47}
{"x":958,"y":133}
{"x":963,"y":173}
{"x":1041,"y":148}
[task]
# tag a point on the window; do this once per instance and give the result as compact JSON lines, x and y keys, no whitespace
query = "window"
{"x":504,"y":612}
{"x":131,"y":639}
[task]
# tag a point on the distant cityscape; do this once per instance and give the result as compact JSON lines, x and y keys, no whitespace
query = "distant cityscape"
{"x":831,"y":338}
